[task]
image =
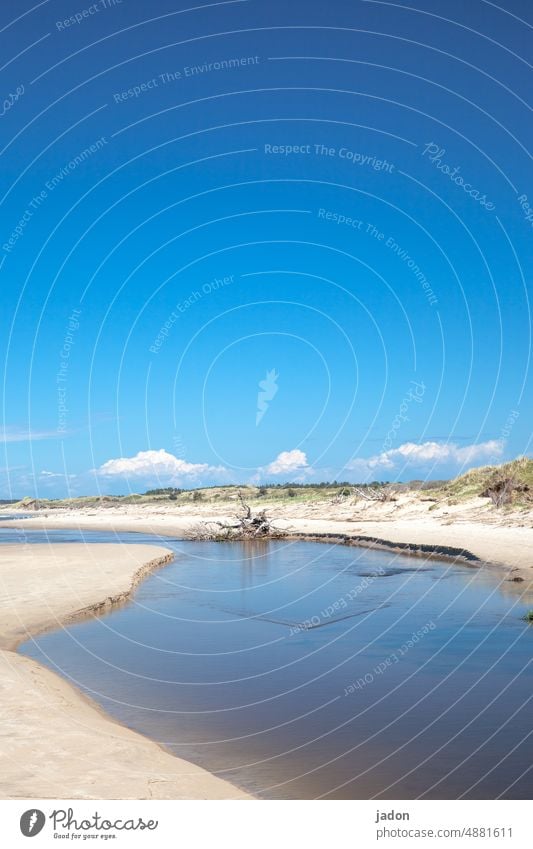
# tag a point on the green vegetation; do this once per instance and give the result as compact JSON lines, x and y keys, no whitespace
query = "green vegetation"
{"x":508,"y":486}
{"x":277,"y":492}
{"x":529,"y":616}
{"x":167,"y":490}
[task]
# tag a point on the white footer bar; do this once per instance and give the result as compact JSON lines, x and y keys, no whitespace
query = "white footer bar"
{"x":267,"y":824}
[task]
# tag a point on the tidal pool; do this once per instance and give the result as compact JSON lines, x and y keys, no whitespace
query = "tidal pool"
{"x":312,"y":670}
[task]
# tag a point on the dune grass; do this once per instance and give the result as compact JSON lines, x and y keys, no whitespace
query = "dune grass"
{"x":477,"y":482}
{"x":473,"y":484}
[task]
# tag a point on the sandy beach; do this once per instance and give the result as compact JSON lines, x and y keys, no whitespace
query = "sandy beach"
{"x":58,"y":743}
{"x":501,"y":539}
{"x":55,"y":742}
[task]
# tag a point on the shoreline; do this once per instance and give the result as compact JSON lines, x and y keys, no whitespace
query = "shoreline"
{"x":191,"y":781}
{"x":441,"y":552}
{"x":59,"y":742}
{"x":93,"y":609}
{"x":505,"y":548}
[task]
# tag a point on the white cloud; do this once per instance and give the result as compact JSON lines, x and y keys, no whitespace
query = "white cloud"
{"x":158,"y":465}
{"x":288,"y":461}
{"x":428,"y":454}
{"x":439,"y":452}
{"x":11,"y":434}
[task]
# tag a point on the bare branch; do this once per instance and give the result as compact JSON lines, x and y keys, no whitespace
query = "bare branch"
{"x":247,"y":526}
{"x":374,"y":493}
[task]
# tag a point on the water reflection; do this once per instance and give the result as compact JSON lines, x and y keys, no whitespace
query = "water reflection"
{"x":303,"y":670}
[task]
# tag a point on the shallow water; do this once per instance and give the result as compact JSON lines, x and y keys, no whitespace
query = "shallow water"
{"x":9,"y":517}
{"x":303,"y":670}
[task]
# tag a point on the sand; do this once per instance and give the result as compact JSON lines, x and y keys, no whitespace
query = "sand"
{"x":502,"y":539}
{"x":55,"y":743}
{"x":58,"y":744}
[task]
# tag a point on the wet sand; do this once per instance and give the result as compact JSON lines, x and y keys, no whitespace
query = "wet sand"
{"x":56,"y":743}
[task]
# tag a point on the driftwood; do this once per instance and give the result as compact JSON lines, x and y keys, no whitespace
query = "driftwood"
{"x":364,"y":493}
{"x":247,"y":525}
{"x":374,"y":493}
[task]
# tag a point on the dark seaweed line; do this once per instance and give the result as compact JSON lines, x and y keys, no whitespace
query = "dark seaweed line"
{"x":444,"y":551}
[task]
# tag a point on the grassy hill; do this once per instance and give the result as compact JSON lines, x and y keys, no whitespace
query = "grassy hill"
{"x":290,"y":493}
{"x":509,"y":484}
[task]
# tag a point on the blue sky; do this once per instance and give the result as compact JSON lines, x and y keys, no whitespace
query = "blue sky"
{"x":262,"y":241}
